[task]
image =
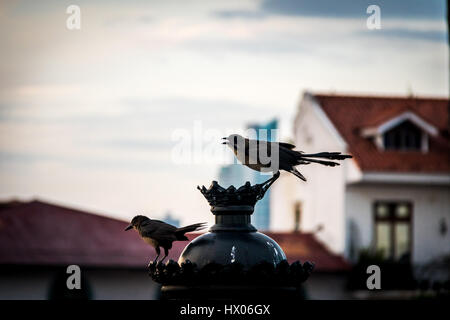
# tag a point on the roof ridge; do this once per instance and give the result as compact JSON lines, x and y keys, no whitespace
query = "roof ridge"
{"x":379,"y":96}
{"x":68,"y":208}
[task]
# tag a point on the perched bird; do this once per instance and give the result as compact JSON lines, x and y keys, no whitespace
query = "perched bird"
{"x":160,"y":234}
{"x":248,"y":153}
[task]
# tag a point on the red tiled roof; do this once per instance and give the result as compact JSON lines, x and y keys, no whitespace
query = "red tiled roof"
{"x":46,"y":234}
{"x":39,"y":233}
{"x":306,"y":247}
{"x":350,"y":114}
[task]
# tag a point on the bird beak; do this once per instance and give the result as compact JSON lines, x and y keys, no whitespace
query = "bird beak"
{"x":130,"y":226}
{"x":225,"y":142}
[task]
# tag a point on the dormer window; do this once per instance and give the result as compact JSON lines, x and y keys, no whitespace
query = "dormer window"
{"x":405,"y":132}
{"x":406,"y":137}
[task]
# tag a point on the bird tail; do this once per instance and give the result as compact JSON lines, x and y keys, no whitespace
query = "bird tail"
{"x":192,"y":227}
{"x":307,"y":158}
{"x":295,"y":172}
{"x":324,"y":155}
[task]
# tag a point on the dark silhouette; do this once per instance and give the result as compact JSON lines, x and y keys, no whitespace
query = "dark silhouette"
{"x":160,"y":234}
{"x":249,"y":152}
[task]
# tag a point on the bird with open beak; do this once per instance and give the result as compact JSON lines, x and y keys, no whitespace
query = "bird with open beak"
{"x":160,"y":234}
{"x":262,"y":155}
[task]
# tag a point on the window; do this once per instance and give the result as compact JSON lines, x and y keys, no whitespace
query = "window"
{"x":393,"y":229}
{"x":297,"y":215}
{"x":405,"y":136}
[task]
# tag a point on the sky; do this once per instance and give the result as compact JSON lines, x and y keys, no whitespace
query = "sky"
{"x":92,"y":118}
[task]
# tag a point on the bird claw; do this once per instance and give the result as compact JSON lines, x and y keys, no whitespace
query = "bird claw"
{"x":152,"y":263}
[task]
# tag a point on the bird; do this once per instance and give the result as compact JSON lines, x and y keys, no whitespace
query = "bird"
{"x":161,"y":234}
{"x":248,"y":153}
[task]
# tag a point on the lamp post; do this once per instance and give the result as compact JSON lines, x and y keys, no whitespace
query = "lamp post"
{"x":232,"y":260}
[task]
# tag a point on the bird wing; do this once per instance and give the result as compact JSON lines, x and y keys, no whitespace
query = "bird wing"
{"x":158,"y":230}
{"x":288,"y":158}
{"x":161,"y":223}
{"x":252,"y":144}
{"x":253,"y":149}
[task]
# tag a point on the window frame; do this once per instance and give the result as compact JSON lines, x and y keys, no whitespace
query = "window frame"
{"x":389,"y":143}
{"x":393,"y":220}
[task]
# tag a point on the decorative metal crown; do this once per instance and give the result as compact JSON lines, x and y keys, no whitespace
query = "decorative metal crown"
{"x":246,"y":195}
{"x":282,"y":274}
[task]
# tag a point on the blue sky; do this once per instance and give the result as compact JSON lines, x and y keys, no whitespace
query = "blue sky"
{"x":87,"y":117}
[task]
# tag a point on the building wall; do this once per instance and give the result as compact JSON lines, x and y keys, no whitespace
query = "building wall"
{"x":431,"y":204}
{"x":283,"y":196}
{"x":105,"y":284}
{"x":122,"y":285}
{"x":25,"y":285}
{"x":322,"y":196}
{"x":327,"y":286}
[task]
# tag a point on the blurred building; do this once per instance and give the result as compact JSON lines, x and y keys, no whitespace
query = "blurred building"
{"x":392,"y":198}
{"x":39,"y":240}
{"x":237,"y":174}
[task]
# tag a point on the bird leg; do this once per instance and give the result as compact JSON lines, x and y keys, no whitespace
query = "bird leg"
{"x":263,"y":187}
{"x":275,"y":176}
{"x":166,"y":253}
{"x":269,"y":182}
{"x":158,"y":252}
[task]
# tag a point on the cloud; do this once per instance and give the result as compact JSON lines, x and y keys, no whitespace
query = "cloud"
{"x":95,"y":163}
{"x":129,"y":143}
{"x":247,"y":14}
{"x":427,"y":35}
{"x":433,"y":9}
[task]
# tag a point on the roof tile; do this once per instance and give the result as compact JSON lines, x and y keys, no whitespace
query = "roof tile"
{"x":350,"y":114}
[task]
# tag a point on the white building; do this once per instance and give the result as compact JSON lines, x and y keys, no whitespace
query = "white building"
{"x":394,"y":195}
